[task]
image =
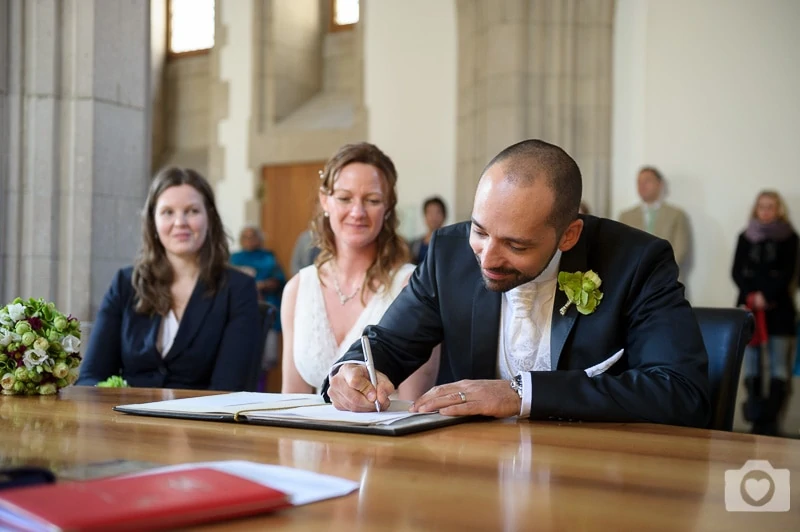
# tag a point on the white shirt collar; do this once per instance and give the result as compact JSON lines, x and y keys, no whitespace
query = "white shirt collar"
{"x":652,"y":206}
{"x":549,"y":274}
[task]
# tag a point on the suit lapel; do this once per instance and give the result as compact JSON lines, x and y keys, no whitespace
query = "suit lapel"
{"x":485,"y":331}
{"x":193,"y":318}
{"x":572,"y":261}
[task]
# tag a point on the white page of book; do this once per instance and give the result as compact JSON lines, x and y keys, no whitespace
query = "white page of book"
{"x":231,"y":403}
{"x":397,"y":410}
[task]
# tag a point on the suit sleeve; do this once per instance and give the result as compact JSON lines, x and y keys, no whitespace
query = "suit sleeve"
{"x":667,"y":376}
{"x":409,"y":329}
{"x":241,"y":339}
{"x":103,"y":356}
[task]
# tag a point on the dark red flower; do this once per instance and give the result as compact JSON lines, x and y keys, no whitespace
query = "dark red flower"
{"x":35,"y":323}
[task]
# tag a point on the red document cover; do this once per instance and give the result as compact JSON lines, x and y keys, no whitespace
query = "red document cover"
{"x":145,"y":502}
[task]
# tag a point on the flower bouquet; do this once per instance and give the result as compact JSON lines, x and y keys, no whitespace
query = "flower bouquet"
{"x":39,"y":348}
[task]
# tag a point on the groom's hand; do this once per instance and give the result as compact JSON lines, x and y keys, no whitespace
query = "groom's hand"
{"x":350,"y":389}
{"x":465,"y":398}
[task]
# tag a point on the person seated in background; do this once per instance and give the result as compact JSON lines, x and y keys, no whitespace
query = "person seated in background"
{"x":435,"y":213}
{"x":623,"y":346}
{"x":181,"y":317}
{"x":765,"y":270}
{"x":658,"y":217}
{"x":304,"y":252}
{"x":361,"y":268}
{"x":263,"y":265}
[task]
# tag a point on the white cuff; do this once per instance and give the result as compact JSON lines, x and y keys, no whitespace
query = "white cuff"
{"x":527,"y":394}
{"x":335,"y":367}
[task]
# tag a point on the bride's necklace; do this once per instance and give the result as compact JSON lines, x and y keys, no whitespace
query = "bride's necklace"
{"x":343,"y":298}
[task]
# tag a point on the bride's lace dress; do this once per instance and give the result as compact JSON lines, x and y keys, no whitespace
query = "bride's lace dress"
{"x":315,"y":348}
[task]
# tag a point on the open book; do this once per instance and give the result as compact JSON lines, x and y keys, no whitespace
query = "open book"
{"x":292,"y":410}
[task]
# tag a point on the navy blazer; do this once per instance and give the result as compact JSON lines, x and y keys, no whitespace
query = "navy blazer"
{"x":662,"y":376}
{"x":216,"y":347}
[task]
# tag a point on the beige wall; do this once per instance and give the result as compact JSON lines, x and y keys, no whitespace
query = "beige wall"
{"x":187,"y":111}
{"x":707,"y":91}
{"x":295,"y":44}
{"x":410,"y":90}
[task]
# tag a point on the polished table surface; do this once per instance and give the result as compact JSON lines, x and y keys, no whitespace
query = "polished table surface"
{"x":496,"y":475}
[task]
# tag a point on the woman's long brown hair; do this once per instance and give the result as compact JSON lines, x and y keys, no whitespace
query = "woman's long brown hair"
{"x":152,"y":272}
{"x":392,"y":249}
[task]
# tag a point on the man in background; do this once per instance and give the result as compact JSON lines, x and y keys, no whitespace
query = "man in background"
{"x":656,"y":216}
{"x":304,"y":253}
{"x":435,"y":212}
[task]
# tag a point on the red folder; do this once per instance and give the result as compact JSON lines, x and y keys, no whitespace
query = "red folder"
{"x":146,"y":502}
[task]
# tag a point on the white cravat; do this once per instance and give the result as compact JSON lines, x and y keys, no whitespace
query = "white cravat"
{"x":523,"y":333}
{"x":524,"y":339}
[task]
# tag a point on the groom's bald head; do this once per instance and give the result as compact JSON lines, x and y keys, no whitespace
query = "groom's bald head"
{"x":531,"y":160}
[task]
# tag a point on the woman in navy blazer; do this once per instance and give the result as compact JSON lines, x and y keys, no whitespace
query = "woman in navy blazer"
{"x":180,"y":317}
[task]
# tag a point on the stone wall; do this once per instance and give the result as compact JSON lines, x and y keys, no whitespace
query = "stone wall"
{"x":535,"y":69}
{"x":74,"y":134}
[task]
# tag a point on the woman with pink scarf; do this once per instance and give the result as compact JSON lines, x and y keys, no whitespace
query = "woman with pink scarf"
{"x":765,"y":269}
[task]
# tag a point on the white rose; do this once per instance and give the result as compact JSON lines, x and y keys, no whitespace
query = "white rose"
{"x":34,"y":357}
{"x":8,"y":380}
{"x":16,"y":311}
{"x":5,"y":319}
{"x":71,"y":344}
{"x":5,"y":337}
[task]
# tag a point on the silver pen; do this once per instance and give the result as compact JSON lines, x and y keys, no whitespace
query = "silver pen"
{"x":370,"y":363}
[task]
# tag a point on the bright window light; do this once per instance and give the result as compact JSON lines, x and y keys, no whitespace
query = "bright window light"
{"x":191,"y":25}
{"x":345,"y":12}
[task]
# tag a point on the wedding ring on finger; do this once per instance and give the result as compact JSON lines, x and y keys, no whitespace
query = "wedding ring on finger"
{"x":463,"y":397}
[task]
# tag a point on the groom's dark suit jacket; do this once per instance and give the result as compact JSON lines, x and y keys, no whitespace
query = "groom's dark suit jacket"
{"x":662,"y":376}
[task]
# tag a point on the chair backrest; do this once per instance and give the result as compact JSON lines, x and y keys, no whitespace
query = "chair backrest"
{"x":726,"y":332}
{"x":269,"y":314}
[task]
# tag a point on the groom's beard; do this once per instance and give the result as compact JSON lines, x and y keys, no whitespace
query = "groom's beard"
{"x":514,"y":278}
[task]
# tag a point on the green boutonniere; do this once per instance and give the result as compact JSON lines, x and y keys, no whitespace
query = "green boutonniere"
{"x":582,"y":289}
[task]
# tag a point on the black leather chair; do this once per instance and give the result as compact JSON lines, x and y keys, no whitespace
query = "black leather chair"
{"x":726,"y":333}
{"x":269,"y":313}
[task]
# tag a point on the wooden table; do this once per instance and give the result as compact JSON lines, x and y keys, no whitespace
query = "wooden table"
{"x":501,"y":475}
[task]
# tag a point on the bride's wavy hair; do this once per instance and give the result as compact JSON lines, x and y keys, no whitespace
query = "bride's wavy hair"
{"x":152,"y":273}
{"x":392,"y":249}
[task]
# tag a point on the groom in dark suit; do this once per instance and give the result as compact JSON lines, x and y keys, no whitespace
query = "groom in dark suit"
{"x":507,"y":349}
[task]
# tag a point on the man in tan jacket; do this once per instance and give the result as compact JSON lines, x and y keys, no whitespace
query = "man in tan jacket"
{"x":658,"y":217}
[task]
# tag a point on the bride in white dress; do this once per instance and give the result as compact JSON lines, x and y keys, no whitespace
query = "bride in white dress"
{"x":363,"y":265}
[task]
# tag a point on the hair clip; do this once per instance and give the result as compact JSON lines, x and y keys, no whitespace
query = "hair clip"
{"x":321,"y":174}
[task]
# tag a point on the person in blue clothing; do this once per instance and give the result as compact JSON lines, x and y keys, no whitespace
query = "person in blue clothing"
{"x":262,"y":264}
{"x":270,"y":280}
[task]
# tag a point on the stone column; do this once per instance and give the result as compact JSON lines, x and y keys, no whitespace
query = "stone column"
{"x":534,"y":69}
{"x":74,"y":76}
